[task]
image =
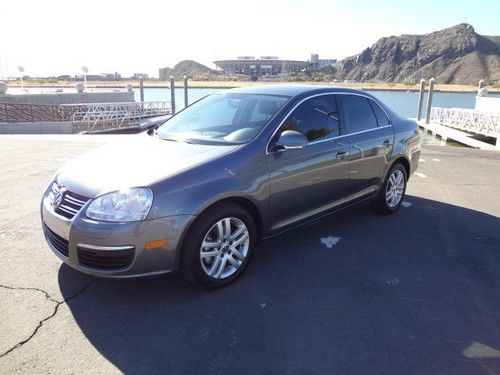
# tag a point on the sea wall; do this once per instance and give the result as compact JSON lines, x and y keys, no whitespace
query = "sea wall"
{"x":40,"y":127}
{"x":69,"y":98}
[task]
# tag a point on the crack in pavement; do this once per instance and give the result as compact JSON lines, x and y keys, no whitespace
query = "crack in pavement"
{"x":47,"y":295}
{"x":40,"y":323}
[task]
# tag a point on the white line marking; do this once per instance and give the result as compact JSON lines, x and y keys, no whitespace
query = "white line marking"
{"x":421,"y":175}
{"x":434,"y":159}
{"x":330,"y":241}
{"x":406,"y":204}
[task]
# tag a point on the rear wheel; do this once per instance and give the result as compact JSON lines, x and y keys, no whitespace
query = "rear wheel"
{"x":219,"y":246}
{"x":393,"y":190}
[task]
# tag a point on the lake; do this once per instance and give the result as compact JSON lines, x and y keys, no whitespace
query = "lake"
{"x":403,"y":102}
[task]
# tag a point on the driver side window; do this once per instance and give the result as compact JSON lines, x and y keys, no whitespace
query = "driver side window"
{"x":316,"y":118}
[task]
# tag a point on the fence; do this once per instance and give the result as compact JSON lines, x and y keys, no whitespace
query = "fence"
{"x":86,"y":116}
{"x":469,"y":120}
{"x":12,"y":113}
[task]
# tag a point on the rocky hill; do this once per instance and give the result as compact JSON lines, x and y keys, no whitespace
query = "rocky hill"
{"x":188,"y":68}
{"x":453,"y":55}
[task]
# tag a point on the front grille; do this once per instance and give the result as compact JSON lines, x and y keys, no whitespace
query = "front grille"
{"x":70,"y":204}
{"x":105,"y":259}
{"x":59,"y":243}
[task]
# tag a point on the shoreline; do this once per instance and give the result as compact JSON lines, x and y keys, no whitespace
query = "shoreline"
{"x":368,"y":86}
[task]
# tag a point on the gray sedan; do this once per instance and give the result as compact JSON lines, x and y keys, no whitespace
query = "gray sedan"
{"x":201,"y":191}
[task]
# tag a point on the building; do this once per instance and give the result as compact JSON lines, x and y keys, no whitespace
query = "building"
{"x":99,"y":77}
{"x":263,"y":66}
{"x":140,"y":76}
{"x":317,"y":63}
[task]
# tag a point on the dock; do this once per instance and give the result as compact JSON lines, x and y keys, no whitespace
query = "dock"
{"x":29,"y":118}
{"x":462,"y":137}
{"x":477,"y":128}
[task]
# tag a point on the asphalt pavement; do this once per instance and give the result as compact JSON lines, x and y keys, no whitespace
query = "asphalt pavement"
{"x":417,"y":292}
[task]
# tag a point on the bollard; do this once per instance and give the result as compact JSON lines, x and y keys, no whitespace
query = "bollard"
{"x":429,"y":101}
{"x":172,"y":94}
{"x":185,"y":91}
{"x":420,"y":99}
{"x":141,"y":84}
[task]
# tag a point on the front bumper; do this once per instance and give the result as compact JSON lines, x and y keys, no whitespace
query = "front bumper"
{"x":114,"y":249}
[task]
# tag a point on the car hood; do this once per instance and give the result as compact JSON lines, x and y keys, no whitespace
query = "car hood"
{"x":136,"y":162}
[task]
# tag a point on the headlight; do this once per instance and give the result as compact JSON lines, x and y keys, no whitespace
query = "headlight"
{"x":124,"y":205}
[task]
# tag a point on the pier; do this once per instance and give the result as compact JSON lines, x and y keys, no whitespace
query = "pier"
{"x":470,"y":127}
{"x":80,"y":117}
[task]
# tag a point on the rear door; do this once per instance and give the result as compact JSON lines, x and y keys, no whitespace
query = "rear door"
{"x":308,"y":181}
{"x":371,"y":140}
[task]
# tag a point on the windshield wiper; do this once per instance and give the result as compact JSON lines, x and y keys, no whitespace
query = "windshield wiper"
{"x":180,"y":140}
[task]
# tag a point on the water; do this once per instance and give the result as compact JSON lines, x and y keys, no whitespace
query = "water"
{"x":402,"y":102}
{"x":405,"y":103}
{"x":163,"y":95}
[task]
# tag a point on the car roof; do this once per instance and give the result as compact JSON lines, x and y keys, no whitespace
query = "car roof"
{"x":288,"y":90}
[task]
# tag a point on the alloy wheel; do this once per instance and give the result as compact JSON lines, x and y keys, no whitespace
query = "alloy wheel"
{"x":395,"y":188}
{"x":224,"y":248}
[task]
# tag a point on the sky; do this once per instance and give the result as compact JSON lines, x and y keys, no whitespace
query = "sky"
{"x":54,"y":37}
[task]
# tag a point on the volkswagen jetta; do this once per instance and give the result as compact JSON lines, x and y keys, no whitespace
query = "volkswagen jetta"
{"x":198,"y":193}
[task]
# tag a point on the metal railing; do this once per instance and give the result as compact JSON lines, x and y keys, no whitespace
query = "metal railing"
{"x":11,"y":113}
{"x":106,"y":116}
{"x":469,"y":120}
{"x":91,"y":117}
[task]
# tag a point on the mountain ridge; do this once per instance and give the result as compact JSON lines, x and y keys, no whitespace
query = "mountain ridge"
{"x":452,"y":55}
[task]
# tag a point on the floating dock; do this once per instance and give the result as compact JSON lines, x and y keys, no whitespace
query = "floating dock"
{"x":447,"y":133}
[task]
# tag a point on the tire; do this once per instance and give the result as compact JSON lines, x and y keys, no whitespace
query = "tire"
{"x":199,"y":263}
{"x":385,"y":202}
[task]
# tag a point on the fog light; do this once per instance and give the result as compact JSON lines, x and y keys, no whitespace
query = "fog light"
{"x":156,"y":244}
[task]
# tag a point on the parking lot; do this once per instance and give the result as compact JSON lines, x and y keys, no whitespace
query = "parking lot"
{"x":416,"y":292}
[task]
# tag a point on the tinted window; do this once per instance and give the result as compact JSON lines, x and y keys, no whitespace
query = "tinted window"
{"x":357,"y":112}
{"x":382,"y":118}
{"x":316,"y":118}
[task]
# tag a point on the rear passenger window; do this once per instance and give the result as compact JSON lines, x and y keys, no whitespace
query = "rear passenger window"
{"x":316,"y":118}
{"x":357,"y":112}
{"x":382,"y":118}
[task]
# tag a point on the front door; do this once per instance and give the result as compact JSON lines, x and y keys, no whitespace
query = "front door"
{"x":309,"y":181}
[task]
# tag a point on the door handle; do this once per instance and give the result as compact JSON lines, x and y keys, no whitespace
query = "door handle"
{"x":387,"y":143}
{"x":340,"y":154}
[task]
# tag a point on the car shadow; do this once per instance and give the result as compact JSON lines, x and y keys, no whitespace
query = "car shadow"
{"x":358,"y":292}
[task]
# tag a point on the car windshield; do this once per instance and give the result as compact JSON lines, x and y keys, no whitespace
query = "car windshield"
{"x":222,"y":119}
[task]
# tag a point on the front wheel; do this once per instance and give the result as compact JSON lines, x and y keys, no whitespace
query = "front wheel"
{"x":392,"y":191}
{"x":219,"y":246}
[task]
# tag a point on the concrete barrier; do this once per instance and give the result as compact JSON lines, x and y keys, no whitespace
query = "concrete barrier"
{"x":45,"y":127}
{"x":69,"y":98}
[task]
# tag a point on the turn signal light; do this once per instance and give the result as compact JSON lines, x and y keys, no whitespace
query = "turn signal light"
{"x":156,"y":244}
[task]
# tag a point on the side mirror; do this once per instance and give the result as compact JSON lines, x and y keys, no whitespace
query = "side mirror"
{"x":291,"y":140}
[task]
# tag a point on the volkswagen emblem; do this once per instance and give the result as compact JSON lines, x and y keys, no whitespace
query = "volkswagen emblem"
{"x":58,"y":197}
